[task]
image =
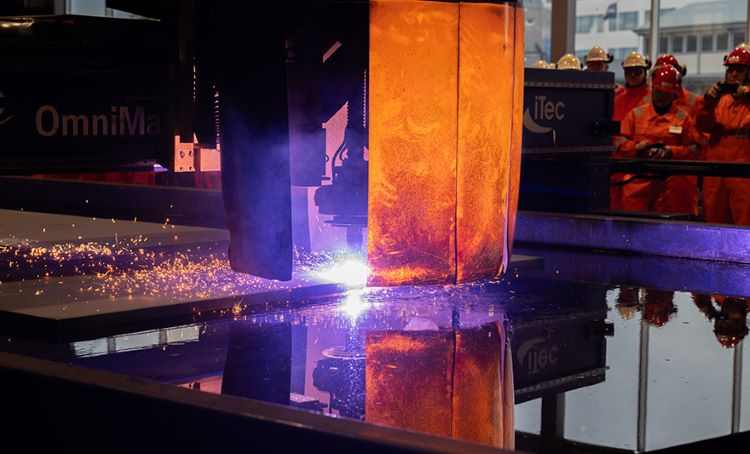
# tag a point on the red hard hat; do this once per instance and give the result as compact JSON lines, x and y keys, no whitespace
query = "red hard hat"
{"x":738,"y":56}
{"x":666,"y":78}
{"x":730,"y":332}
{"x":730,"y":325}
{"x":669,"y":59}
{"x":728,"y":341}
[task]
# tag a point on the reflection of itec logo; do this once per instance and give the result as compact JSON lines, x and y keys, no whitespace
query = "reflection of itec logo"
{"x":542,"y":110}
{"x":535,"y":357}
{"x":3,"y":120}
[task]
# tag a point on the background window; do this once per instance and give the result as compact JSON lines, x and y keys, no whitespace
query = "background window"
{"x":647,"y":15}
{"x":677,"y":43}
{"x":624,"y":21}
{"x":537,"y":31}
{"x":698,"y":32}
{"x":584,"y":23}
{"x":623,"y":37}
{"x":663,"y":44}
{"x":692,"y":43}
{"x":708,"y":29}
{"x":722,"y":41}
{"x":612,"y":25}
{"x":629,"y":20}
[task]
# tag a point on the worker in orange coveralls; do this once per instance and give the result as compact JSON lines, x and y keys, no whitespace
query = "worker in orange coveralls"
{"x":729,"y":315}
{"x":683,"y":189}
{"x":628,"y":302}
{"x":626,"y":99}
{"x":659,"y":130}
{"x":685,"y":99}
{"x":726,"y":117}
{"x":658,"y":307}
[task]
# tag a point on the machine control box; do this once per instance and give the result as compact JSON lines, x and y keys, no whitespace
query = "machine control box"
{"x":567,"y":140}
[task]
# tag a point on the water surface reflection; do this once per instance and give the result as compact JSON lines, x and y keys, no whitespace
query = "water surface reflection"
{"x":550,"y":360}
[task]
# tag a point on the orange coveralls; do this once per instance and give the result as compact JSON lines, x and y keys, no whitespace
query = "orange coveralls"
{"x":658,"y":306}
{"x":727,"y":200}
{"x":626,"y":99}
{"x":683,"y":189}
{"x":676,"y":129}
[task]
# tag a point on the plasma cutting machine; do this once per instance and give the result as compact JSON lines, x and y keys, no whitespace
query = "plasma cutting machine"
{"x":434,"y":213}
{"x":99,"y":94}
{"x":424,"y":84}
{"x":437,"y":204}
{"x":276,"y":75}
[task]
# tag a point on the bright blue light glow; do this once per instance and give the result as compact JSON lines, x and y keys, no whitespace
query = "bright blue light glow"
{"x":353,"y":305}
{"x":352,"y":273}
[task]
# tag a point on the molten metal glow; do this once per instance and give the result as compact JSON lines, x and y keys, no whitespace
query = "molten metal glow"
{"x":484,"y":138}
{"x":443,"y":92}
{"x":413,"y":116}
{"x":516,"y":135}
{"x":351,"y":273}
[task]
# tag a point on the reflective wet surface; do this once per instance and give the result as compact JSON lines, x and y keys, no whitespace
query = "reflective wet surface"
{"x":620,"y":357}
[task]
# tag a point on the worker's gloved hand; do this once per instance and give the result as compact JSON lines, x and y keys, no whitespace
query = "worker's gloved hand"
{"x":664,"y":152}
{"x":713,"y":92}
{"x":642,"y":148}
{"x":743,"y":92}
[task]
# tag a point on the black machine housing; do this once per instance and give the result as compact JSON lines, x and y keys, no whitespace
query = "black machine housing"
{"x":567,"y":140}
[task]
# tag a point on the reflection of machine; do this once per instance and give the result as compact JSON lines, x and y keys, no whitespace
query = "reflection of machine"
{"x":342,"y":374}
{"x":554,"y":356}
{"x":561,"y":346}
{"x":558,"y":352}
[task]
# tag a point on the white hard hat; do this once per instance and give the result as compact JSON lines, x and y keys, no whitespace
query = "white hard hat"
{"x":541,"y":64}
{"x":598,"y":54}
{"x":636,"y":60}
{"x":569,"y":61}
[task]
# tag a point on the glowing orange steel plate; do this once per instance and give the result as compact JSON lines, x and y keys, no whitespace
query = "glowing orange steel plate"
{"x":443,"y":94}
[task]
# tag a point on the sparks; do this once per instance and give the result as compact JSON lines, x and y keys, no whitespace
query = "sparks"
{"x":127,"y":269}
